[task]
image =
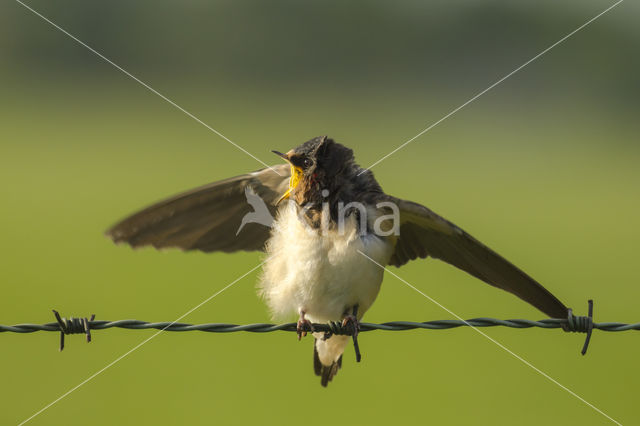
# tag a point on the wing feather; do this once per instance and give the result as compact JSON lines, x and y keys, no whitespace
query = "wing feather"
{"x":206,"y":218}
{"x":423,"y":233}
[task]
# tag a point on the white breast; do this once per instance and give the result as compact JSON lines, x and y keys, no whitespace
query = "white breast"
{"x":320,"y":274}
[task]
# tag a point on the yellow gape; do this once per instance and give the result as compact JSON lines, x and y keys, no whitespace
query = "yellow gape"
{"x":294,"y":180}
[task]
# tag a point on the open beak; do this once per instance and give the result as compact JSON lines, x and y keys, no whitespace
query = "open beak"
{"x":279,"y":154}
{"x":294,"y":180}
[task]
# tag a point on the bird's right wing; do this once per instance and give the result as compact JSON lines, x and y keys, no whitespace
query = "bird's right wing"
{"x":423,"y":233}
{"x":208,"y":217}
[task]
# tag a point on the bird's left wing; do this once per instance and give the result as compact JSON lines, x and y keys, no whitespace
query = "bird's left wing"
{"x":206,"y":218}
{"x":423,"y":233}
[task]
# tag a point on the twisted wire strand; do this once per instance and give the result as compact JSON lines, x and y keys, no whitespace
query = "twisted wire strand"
{"x":573,"y":323}
{"x":334,"y":328}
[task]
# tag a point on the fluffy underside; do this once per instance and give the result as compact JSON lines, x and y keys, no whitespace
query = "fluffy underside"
{"x":321,"y":275}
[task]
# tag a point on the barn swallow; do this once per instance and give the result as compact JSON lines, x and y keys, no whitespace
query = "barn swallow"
{"x":333,"y":223}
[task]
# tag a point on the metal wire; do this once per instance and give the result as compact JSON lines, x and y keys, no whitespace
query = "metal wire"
{"x":333,"y":328}
{"x":573,"y":323}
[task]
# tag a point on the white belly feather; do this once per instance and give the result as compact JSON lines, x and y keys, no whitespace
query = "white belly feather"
{"x":321,"y":275}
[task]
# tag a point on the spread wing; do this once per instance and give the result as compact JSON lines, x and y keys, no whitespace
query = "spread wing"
{"x":423,"y":233}
{"x":208,"y":217}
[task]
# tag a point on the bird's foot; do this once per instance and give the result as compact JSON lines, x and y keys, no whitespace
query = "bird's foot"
{"x":303,"y":325}
{"x":353,"y":321}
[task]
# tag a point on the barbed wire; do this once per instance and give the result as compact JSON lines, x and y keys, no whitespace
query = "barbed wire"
{"x":364,"y":326}
{"x":74,"y":325}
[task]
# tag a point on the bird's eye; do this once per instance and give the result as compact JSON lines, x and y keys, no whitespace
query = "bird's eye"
{"x":307,"y":163}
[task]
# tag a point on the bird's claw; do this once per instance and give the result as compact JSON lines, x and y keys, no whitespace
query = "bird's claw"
{"x":302,"y":327}
{"x":354,"y":323}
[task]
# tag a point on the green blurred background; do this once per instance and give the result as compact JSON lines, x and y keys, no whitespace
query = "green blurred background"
{"x":543,"y":168}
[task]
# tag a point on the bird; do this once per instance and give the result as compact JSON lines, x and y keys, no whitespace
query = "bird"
{"x":334,"y":233}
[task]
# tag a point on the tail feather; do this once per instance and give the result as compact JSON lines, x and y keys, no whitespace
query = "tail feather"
{"x":325,"y":371}
{"x":317,"y":365}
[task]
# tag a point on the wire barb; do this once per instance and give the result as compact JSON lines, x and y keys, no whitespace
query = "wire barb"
{"x":350,"y":326}
{"x":579,"y":324}
{"x":355,"y":326}
{"x":73,"y":326}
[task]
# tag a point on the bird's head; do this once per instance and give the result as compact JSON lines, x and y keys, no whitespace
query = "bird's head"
{"x":316,"y":165}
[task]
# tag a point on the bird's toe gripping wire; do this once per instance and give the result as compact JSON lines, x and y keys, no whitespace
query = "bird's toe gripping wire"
{"x":580,"y":324}
{"x":73,"y":326}
{"x":303,"y":326}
